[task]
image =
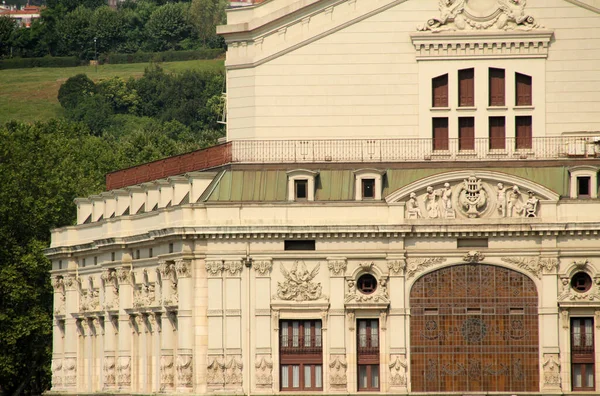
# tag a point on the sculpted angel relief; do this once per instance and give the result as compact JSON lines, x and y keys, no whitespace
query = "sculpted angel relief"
{"x":298,"y":284}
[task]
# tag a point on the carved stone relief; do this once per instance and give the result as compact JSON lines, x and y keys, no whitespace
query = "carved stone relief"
{"x":263,"y":267}
{"x":111,"y":289}
{"x":109,"y":372}
{"x":59,"y":288}
{"x":124,"y":371}
{"x":233,"y":268}
{"x":473,"y":256}
{"x":215,"y":371}
{"x":70,"y":370}
{"x":416,"y":265}
{"x":551,"y":370}
{"x":89,"y":297}
{"x":298,"y":284}
{"x":472,"y":198}
{"x":168,"y":273}
{"x":535,"y":265}
{"x":398,"y":371}
{"x":57,"y":373}
{"x":144,"y":294}
{"x":264,"y":371}
{"x":567,"y":293}
{"x":337,"y":266}
{"x":396,"y":267}
{"x":380,"y":295}
{"x":167,"y":377}
{"x":338,"y":378}
{"x":183,"y":268}
{"x":184,"y":370}
{"x":214,"y":267}
{"x":233,"y":371}
{"x":124,"y":275}
{"x":481,"y":15}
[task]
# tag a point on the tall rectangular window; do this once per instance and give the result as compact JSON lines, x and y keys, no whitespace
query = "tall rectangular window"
{"x":496,"y":87}
{"x":466,"y":133}
{"x":440,"y":91}
{"x":523,"y":133}
{"x":368,"y":354}
{"x":497,"y":133}
{"x":440,"y":134}
{"x":301,"y":190}
{"x":582,"y":354}
{"x":466,"y":88}
{"x":523,"y":90}
{"x":301,"y":355}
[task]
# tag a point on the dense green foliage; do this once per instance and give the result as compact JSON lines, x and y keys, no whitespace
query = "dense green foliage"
{"x":87,"y":28}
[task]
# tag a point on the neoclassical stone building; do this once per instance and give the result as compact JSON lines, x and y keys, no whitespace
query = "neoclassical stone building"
{"x":406,"y":203}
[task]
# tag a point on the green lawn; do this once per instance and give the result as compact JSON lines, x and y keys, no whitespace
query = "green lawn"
{"x":30,"y":94}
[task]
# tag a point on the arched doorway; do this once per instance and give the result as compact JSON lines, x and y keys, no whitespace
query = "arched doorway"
{"x":474,"y":328}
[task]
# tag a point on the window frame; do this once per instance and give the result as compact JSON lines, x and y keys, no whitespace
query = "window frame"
{"x":301,"y":174}
{"x":466,"y":87}
{"x":368,"y":356}
{"x":582,"y":357}
{"x":466,"y":143}
{"x":494,"y":141}
{"x":297,"y":183}
{"x":523,"y":133}
{"x":293,"y":351}
{"x":439,"y":142}
{"x":523,"y":90}
{"x":364,"y":188}
{"x":496,"y":87}
{"x":439,"y":91}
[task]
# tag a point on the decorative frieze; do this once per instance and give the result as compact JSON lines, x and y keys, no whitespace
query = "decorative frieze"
{"x":108,"y":371}
{"x":233,"y":267}
{"x":214,"y":267}
{"x":536,"y":265}
{"x":59,"y":289}
{"x":111,"y":288}
{"x":124,"y":372}
{"x":215,"y":371}
{"x":184,"y":370}
{"x":298,"y":284}
{"x":264,"y":371}
{"x":70,"y":371}
{"x":337,"y":266}
{"x":338,"y":378}
{"x":398,"y":371}
{"x":89,"y":297}
{"x":416,"y":265}
{"x":144,"y":294}
{"x":57,"y":373}
{"x":233,"y":371}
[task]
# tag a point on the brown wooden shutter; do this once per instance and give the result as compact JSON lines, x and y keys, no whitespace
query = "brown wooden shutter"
{"x":466,"y":88}
{"x":466,"y":133}
{"x":440,"y":91}
{"x":497,"y":133}
{"x":496,"y":87}
{"x":440,"y":134}
{"x":523,"y":132}
{"x":523,"y":90}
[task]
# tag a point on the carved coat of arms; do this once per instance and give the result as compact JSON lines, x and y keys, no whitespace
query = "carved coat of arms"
{"x":472,"y":197}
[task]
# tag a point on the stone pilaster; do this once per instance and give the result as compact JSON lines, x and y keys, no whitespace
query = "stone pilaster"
{"x":184,"y":363}
{"x":69,"y":365}
{"x":125,"y":337}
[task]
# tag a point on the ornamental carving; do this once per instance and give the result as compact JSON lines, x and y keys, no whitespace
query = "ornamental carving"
{"x":144,"y":295}
{"x":234,"y":268}
{"x":416,"y":265}
{"x":214,"y":267}
{"x":471,"y":198}
{"x":473,"y":257}
{"x":380,"y":295}
{"x":233,"y":371}
{"x":215,"y":371}
{"x":396,"y":267}
{"x":124,"y":275}
{"x":167,"y":377}
{"x":57,"y":373}
{"x":184,"y":370}
{"x":264,"y":372}
{"x":109,"y":372}
{"x":111,"y":288}
{"x":551,"y":370}
{"x":337,"y":266}
{"x":567,"y":293}
{"x":124,"y":371}
{"x":89,"y":297}
{"x":59,"y":288}
{"x":70,"y":282}
{"x":263,"y":267}
{"x":535,"y":265}
{"x":298,"y":284}
{"x":337,"y":371}
{"x":398,"y":371}
{"x":70,"y":369}
{"x":481,"y":15}
{"x":183,"y":268}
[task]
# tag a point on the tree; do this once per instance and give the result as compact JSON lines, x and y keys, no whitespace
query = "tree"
{"x":167,"y":26}
{"x":7,"y":28}
{"x":205,"y":15}
{"x":74,"y":90}
{"x":108,"y":27}
{"x":121,"y":97}
{"x":75,"y":36}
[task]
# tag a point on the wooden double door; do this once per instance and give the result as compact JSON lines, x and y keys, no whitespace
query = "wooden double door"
{"x":474,"y":328}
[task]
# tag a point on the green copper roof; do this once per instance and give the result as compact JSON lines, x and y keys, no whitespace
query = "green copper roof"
{"x":338,"y":185}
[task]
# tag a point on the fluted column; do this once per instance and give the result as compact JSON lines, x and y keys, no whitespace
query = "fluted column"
{"x":125,"y":337}
{"x":185,"y":291}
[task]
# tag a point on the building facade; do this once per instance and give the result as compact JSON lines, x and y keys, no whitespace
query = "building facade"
{"x":407,"y":203}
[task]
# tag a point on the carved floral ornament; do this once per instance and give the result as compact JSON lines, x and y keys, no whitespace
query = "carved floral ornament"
{"x":337,"y":371}
{"x":535,"y":265}
{"x":551,"y":367}
{"x":398,"y":371}
{"x":481,"y":15}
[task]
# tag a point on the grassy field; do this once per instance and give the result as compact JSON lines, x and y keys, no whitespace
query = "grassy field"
{"x":30,"y":94}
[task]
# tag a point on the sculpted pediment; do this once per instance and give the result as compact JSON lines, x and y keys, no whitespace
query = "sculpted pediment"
{"x":481,"y":15}
{"x":472,"y":194}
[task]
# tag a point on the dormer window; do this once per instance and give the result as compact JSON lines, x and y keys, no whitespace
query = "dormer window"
{"x":368,"y":184}
{"x":301,"y":185}
{"x":584,"y":182}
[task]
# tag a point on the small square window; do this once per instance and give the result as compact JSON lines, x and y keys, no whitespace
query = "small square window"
{"x":59,"y":264}
{"x":95,"y":260}
{"x":583,"y":186}
{"x":150,"y":253}
{"x":301,"y":189}
{"x":83,"y":262}
{"x":368,"y":188}
{"x":170,"y":248}
{"x":112,"y":256}
{"x":137,"y":254}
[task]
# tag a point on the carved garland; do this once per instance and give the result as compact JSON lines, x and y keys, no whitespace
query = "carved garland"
{"x":416,"y":265}
{"x":534,"y":265}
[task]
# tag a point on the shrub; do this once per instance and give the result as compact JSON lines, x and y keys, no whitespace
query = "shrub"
{"x":46,"y":61}
{"x":167,"y":56}
{"x":74,"y":90}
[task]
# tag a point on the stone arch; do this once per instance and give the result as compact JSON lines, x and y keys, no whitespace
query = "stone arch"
{"x":474,"y":328}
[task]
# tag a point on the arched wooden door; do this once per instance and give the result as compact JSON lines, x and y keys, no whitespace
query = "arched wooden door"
{"x":474,"y":328}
